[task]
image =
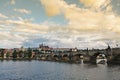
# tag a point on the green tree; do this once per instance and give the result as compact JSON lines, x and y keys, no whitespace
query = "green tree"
{"x":14,"y":54}
{"x":25,"y":55}
{"x":7,"y":55}
{"x":20,"y":53}
{"x":29,"y":52}
{"x":2,"y":53}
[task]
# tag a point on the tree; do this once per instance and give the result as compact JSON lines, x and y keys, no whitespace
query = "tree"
{"x":14,"y":54}
{"x":2,"y":53}
{"x":25,"y":55}
{"x":7,"y":55}
{"x":29,"y":52}
{"x":20,"y":53}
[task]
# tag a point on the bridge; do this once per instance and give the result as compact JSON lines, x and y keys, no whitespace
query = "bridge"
{"x":74,"y":57}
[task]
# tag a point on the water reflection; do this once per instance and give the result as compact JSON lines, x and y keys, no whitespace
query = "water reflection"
{"x":43,"y":70}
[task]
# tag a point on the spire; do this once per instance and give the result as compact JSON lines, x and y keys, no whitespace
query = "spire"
{"x":40,"y":45}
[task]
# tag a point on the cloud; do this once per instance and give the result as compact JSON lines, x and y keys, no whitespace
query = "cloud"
{"x":12,"y":2}
{"x":21,"y":33}
{"x":17,"y":32}
{"x":3,"y":16}
{"x":25,"y":27}
{"x":23,"y":11}
{"x":96,"y":4}
{"x":9,"y":40}
{"x":55,"y":10}
{"x":81,"y":19}
{"x":53,"y":7}
{"x":98,"y":18}
{"x":86,"y":27}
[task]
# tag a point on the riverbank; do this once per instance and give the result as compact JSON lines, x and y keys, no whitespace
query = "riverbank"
{"x":76,"y":62}
{"x":30,"y":59}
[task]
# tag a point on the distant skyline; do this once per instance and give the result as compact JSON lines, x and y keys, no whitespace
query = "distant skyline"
{"x":60,"y":23}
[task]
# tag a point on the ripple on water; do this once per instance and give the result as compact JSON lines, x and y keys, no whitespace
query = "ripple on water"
{"x":43,"y":70}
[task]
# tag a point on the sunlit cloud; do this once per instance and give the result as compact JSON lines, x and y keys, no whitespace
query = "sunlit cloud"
{"x":53,"y":7}
{"x":81,"y":19}
{"x":87,"y":20}
{"x":96,"y":4}
{"x":92,"y":25}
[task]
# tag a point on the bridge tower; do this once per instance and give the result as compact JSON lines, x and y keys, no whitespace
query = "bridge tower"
{"x":109,"y":51}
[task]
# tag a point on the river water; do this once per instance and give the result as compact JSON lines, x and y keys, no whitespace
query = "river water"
{"x":46,"y":70}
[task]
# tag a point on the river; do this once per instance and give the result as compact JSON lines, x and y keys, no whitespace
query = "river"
{"x":46,"y":70}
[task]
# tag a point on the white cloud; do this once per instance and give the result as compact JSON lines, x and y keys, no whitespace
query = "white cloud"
{"x":9,"y":40}
{"x":92,"y":20}
{"x":12,"y":2}
{"x":86,"y":27}
{"x":3,"y":16}
{"x":81,"y":19}
{"x":15,"y":33}
{"x":20,"y":32}
{"x":23,"y":11}
{"x":96,"y":4}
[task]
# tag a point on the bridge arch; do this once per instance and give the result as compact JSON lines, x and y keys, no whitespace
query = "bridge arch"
{"x":55,"y":57}
{"x":65,"y":57}
{"x":98,"y":55}
{"x":77,"y":57}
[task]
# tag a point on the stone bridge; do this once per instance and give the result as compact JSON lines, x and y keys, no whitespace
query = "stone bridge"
{"x":60,"y":56}
{"x":98,"y":56}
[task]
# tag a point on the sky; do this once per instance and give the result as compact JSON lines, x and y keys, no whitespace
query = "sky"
{"x":60,"y":23}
